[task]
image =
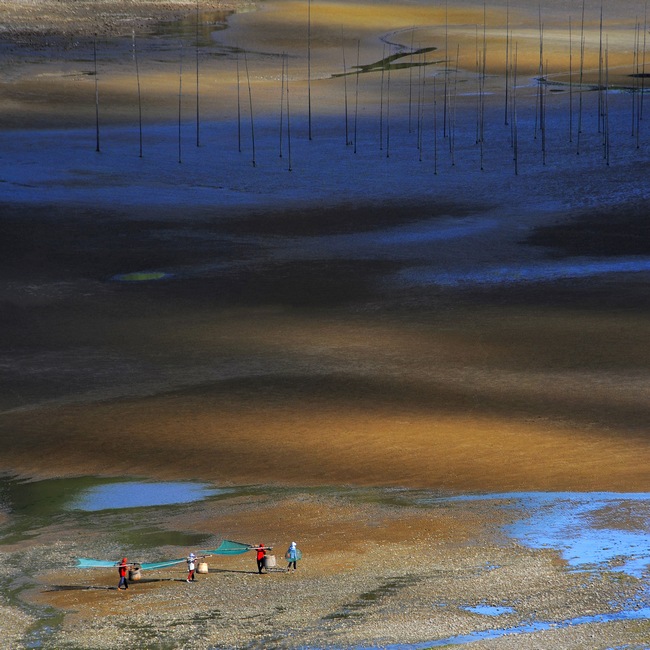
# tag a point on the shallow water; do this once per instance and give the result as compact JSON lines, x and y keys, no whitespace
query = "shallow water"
{"x":527,"y":628}
{"x":536,"y":272}
{"x":592,"y":530}
{"x":488,"y":610}
{"x":52,"y":496}
{"x":140,"y":494}
{"x":34,"y":504}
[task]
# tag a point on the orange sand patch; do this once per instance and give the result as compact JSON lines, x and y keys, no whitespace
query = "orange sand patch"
{"x":224,"y":438}
{"x":328,"y":532}
{"x":479,"y":401}
{"x":63,"y":91}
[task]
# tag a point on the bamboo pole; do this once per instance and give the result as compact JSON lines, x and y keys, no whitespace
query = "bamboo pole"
{"x":605,"y":107}
{"x":250,"y":105}
{"x":540,"y":71}
{"x":238,"y":104}
{"x":348,"y":142}
{"x":418,"y":139}
{"x":356,"y":97}
{"x":570,"y":81}
{"x":635,"y":75}
{"x":137,"y":78}
{"x":581,"y":78}
{"x":309,"y":65}
{"x":483,"y":75}
{"x":600,"y":73}
{"x":435,"y":129}
{"x":388,"y":110}
{"x":97,"y":149}
{"x":290,"y":167}
{"x":511,"y":66}
{"x":180,"y":104}
{"x":446,"y":97}
{"x":507,"y":64}
{"x":410,"y":77}
{"x":477,"y":62}
{"x":198,"y":137}
{"x":422,"y":105}
{"x":542,"y":113}
{"x":452,"y":112}
{"x":515,"y":134}
{"x":282,"y":100}
{"x":642,"y":93}
{"x":483,"y":78}
{"x":645,"y":32}
{"x":381,"y":100}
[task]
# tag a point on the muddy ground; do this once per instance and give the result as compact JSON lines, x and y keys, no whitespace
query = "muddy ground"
{"x":293,"y":366}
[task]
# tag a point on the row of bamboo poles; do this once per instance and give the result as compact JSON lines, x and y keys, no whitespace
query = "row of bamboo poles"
{"x":426,"y":92}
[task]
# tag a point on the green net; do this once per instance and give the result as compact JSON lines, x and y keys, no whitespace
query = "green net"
{"x":161,"y":565}
{"x":89,"y":563}
{"x":228,"y":547}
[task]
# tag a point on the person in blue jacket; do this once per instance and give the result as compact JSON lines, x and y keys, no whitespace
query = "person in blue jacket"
{"x":292,"y":555}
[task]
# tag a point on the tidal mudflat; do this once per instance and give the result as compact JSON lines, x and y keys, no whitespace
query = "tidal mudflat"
{"x":415,"y":342}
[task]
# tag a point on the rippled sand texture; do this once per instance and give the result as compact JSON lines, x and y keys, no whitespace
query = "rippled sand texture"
{"x":281,"y":347}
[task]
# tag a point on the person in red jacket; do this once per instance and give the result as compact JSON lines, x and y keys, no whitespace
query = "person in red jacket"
{"x":122,"y":568}
{"x":261,"y":554}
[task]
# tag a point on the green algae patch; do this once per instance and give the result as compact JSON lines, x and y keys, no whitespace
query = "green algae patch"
{"x":141,"y":276}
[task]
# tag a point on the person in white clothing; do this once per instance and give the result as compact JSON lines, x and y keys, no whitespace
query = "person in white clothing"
{"x":191,"y":567}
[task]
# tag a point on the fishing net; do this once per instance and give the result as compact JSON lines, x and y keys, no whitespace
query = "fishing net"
{"x":228,"y":547}
{"x":161,"y":565}
{"x":88,"y":563}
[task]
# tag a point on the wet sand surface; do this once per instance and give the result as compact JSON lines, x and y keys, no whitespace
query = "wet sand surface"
{"x":341,"y":382}
{"x":284,"y":354}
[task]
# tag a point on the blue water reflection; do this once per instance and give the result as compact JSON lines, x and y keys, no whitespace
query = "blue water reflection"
{"x":488,"y":610}
{"x":591,"y":530}
{"x":137,"y":494}
{"x":526,"y":628}
{"x":514,"y":274}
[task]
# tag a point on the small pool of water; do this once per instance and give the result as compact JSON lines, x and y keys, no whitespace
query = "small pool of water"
{"x":488,"y":610}
{"x":139,"y":494}
{"x":30,"y":505}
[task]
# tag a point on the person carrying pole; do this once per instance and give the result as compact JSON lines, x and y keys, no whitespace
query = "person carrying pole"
{"x":122,"y":568}
{"x":191,"y":567}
